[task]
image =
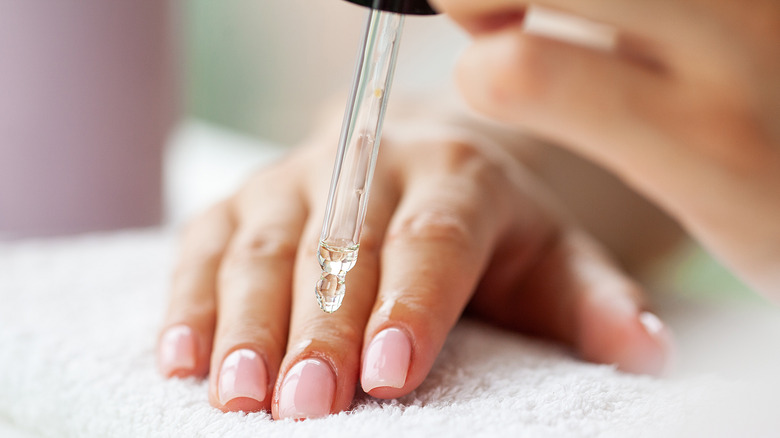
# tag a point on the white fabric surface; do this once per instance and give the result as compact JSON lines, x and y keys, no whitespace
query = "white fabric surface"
{"x":79,"y":321}
{"x":78,"y":325}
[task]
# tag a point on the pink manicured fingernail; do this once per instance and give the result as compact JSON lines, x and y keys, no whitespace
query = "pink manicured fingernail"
{"x":307,"y":390}
{"x":243,"y":374}
{"x":386,"y":360}
{"x":177,"y":351}
{"x":664,"y":359}
{"x":652,"y":323}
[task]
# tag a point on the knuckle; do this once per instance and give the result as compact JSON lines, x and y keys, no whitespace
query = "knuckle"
{"x":466,"y":165}
{"x":433,"y":225}
{"x":459,"y":154}
{"x":470,"y":162}
{"x":266,"y":245}
{"x":204,"y":239}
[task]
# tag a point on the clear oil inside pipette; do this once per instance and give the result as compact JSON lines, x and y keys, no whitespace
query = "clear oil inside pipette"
{"x":356,"y":156}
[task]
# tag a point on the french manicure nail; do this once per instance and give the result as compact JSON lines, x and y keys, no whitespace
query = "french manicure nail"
{"x":243,"y":374}
{"x":386,"y":360}
{"x":177,"y":351}
{"x":307,"y":390}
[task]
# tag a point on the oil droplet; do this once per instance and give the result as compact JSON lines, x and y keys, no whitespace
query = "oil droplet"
{"x":330,"y":291}
{"x":335,"y":262}
{"x":378,"y":93}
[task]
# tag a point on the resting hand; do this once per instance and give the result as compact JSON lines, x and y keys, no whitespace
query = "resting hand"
{"x":451,"y":222}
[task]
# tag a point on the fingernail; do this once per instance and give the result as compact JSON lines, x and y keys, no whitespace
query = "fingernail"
{"x":386,"y":360}
{"x":177,"y":351}
{"x":307,"y":390}
{"x":663,"y":360}
{"x":652,"y":323}
{"x":243,"y":375}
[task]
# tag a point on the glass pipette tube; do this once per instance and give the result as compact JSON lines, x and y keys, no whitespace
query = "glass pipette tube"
{"x":357,"y":151}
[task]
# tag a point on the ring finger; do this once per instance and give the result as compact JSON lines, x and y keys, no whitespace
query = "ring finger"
{"x":253,"y":294}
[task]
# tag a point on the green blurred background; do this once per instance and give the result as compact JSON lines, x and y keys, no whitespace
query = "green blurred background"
{"x":261,"y":67}
{"x":266,"y":67}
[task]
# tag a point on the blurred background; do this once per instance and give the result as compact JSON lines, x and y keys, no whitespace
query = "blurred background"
{"x":92,"y":91}
{"x":263,"y":67}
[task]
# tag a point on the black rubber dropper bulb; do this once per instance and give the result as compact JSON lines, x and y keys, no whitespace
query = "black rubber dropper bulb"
{"x":412,"y":7}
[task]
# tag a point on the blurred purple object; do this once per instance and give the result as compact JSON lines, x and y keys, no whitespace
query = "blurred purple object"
{"x":87,"y":100}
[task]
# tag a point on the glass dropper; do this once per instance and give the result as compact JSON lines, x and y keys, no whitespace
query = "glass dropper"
{"x":357,"y":151}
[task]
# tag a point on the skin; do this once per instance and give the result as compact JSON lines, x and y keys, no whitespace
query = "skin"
{"x":685,"y":109}
{"x":466,"y":223}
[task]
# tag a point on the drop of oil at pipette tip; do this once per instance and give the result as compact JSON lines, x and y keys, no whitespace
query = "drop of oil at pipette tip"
{"x":330,"y":292}
{"x":335,"y":262}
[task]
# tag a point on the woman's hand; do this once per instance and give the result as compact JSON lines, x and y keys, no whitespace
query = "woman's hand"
{"x":686,"y":108}
{"x":451,"y":223}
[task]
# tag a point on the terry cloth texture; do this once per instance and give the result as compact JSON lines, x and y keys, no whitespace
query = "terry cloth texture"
{"x":78,"y":326}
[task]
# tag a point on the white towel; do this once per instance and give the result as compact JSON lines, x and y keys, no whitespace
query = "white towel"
{"x":78,"y":325}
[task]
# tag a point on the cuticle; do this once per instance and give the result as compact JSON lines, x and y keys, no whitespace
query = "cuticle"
{"x":405,"y":329}
{"x":257,"y":351}
{"x":320,"y":356}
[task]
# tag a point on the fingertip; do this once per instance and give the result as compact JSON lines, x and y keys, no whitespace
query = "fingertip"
{"x":242,"y":384}
{"x":401,"y":343}
{"x":386,"y":363}
{"x":659,"y":344}
{"x":640,"y":344}
{"x":176,"y":352}
{"x":648,"y":347}
{"x":306,"y":391}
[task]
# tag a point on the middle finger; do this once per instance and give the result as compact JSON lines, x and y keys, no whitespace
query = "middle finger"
{"x":320,"y":369}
